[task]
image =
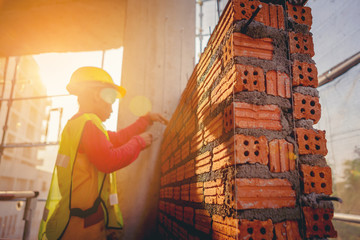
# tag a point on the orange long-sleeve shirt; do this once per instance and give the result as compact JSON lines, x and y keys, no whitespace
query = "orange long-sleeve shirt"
{"x":122,"y":149}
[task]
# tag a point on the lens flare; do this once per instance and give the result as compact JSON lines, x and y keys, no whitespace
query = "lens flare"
{"x":140,"y":105}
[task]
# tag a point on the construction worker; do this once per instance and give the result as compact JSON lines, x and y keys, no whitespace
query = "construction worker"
{"x":82,"y":201}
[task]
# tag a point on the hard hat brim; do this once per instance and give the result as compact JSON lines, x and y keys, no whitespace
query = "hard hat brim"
{"x":79,"y":88}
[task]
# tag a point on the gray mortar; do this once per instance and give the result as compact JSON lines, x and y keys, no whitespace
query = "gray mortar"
{"x":310,"y":200}
{"x":270,"y":135}
{"x":261,"y":98}
{"x":261,"y":171}
{"x":302,"y":58}
{"x":276,"y":215}
{"x":307,"y":124}
{"x":313,"y":160}
{"x":296,"y":27}
{"x":307,"y":91}
{"x":266,"y":65}
{"x":279,"y":38}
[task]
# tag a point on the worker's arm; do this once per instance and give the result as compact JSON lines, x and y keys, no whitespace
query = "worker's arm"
{"x":102,"y":152}
{"x":124,"y":135}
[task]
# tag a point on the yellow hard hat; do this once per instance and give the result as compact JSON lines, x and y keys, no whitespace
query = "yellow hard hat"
{"x":86,"y":77}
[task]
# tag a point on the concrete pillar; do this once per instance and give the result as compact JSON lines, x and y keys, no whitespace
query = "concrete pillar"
{"x":159,"y":48}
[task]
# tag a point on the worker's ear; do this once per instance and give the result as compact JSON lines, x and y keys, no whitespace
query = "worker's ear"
{"x":96,"y":95}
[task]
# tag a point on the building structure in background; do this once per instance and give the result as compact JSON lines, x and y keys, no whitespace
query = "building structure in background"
{"x":26,"y":124}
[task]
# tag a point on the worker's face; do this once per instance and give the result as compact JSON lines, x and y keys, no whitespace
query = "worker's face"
{"x":107,"y":97}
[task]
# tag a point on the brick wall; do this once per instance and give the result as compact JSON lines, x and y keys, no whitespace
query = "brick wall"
{"x":240,"y":157}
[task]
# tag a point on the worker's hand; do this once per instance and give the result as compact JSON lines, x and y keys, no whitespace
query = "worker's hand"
{"x":148,"y":138}
{"x":157,"y":117}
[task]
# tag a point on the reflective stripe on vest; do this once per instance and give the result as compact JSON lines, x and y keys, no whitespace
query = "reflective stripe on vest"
{"x":58,"y":208}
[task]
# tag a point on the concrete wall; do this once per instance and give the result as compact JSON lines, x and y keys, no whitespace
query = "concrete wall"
{"x":158,"y":60}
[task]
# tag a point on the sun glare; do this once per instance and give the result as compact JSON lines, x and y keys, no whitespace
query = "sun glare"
{"x":140,"y":105}
{"x":56,"y":70}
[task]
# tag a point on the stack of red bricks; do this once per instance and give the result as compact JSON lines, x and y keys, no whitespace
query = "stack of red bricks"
{"x":240,"y":158}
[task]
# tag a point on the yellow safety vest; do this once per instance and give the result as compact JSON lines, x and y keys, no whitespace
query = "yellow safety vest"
{"x":58,"y":209}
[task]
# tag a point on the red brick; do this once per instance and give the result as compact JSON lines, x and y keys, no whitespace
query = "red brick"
{"x":181,"y":137}
{"x":246,"y":46}
{"x":177,"y":157}
{"x":244,"y":9}
{"x":189,"y":215}
{"x":161,"y":217}
{"x":167,"y":208}
{"x":197,"y":192}
{"x":311,"y":141}
{"x":304,"y":74}
{"x":224,"y":228}
{"x":252,"y":116}
{"x":197,"y":141}
{"x":193,"y":237}
{"x":163,"y":181}
{"x":210,"y":76}
{"x":203,"y":163}
{"x":162,"y":232}
{"x":318,"y":223}
{"x":222,"y":28}
{"x":228,"y":50}
{"x":249,"y":78}
{"x":190,"y":169}
{"x":306,"y":107}
{"x":172,"y":207}
{"x":300,"y":43}
{"x":180,"y":173}
{"x":214,"y":192}
{"x":281,"y":157}
{"x":196,"y":97}
{"x":223,"y":155}
{"x":270,"y":15}
{"x":204,"y":61}
{"x":165,"y":167}
{"x":179,"y":213}
{"x":169,"y":192}
{"x":202,"y":220}
{"x":278,"y":84}
{"x":162,"y":206}
{"x":223,"y":89}
{"x":166,"y":154}
{"x":171,"y":162}
{"x":179,"y":232}
{"x":249,"y":149}
{"x":214,"y":129}
{"x":288,"y":230}
{"x":300,"y":14}
{"x":229,"y":118}
{"x":172,"y":176}
{"x":176,"y":193}
{"x":190,"y":127}
{"x":220,"y":236}
{"x":277,"y":10}
{"x":316,"y":179}
{"x":264,"y":193}
{"x":256,"y":229}
{"x":185,"y":192}
{"x":203,"y":109}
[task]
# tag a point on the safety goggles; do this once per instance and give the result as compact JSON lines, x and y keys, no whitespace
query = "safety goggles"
{"x":108,"y":95}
